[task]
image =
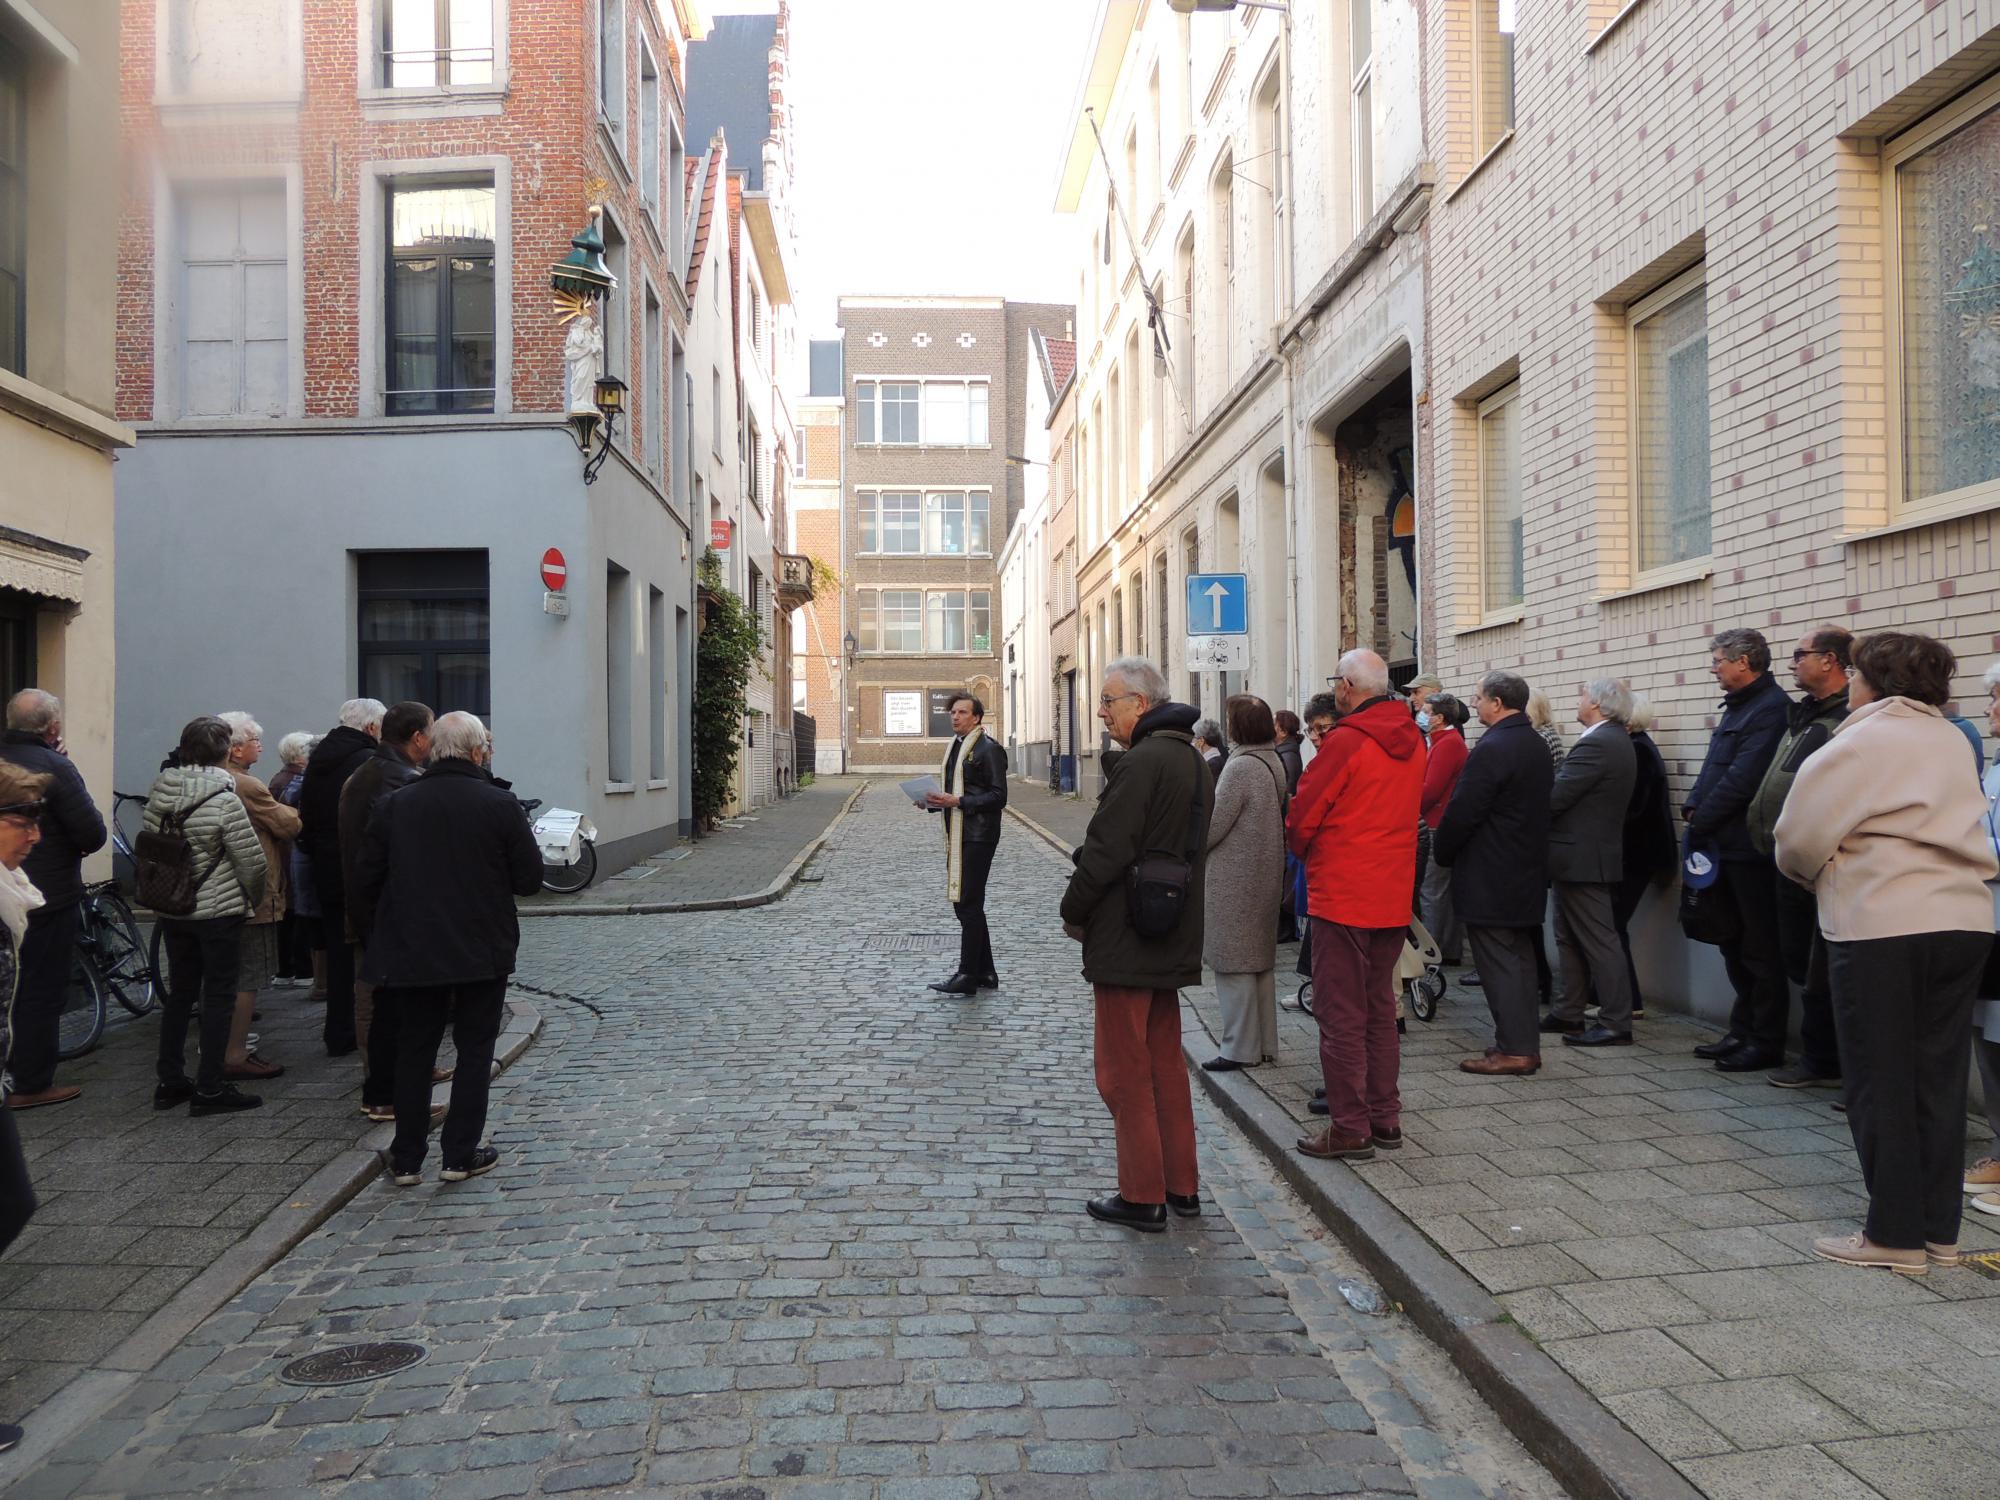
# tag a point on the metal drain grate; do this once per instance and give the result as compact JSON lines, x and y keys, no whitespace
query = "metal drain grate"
{"x":917,"y":942}
{"x":351,"y":1364}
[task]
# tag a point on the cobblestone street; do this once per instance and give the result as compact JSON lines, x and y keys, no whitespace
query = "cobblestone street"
{"x":774,"y":1220}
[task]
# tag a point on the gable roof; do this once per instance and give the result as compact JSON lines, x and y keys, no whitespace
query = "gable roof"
{"x":1057,"y":358}
{"x":702,"y":175}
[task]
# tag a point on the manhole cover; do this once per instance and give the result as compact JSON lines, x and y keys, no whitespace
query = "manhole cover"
{"x":352,"y":1363}
{"x":919,"y":942}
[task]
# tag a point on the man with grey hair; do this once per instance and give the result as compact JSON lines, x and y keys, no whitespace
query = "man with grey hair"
{"x":441,"y":863}
{"x":1717,"y":810}
{"x":344,"y":750}
{"x":1141,"y":946}
{"x":1586,"y":850}
{"x":71,"y":829}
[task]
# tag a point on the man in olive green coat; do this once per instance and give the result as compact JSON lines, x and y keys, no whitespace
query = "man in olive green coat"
{"x":1156,"y":803}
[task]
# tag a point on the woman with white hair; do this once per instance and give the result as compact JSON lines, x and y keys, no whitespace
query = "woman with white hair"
{"x":1982,"y":1178}
{"x":258,"y":959}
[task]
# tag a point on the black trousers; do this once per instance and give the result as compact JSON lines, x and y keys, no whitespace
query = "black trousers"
{"x":385,"y":1043}
{"x":17,"y":1195}
{"x":1755,"y":965}
{"x":46,"y":953}
{"x":1625,"y":899}
{"x":338,"y":1033}
{"x":473,"y":1012}
{"x":1902,"y":1007}
{"x":202,"y":962}
{"x":975,"y":942}
{"x":1505,"y":957}
{"x":1804,"y":954}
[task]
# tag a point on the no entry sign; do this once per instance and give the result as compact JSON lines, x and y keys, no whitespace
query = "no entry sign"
{"x":555,"y":572}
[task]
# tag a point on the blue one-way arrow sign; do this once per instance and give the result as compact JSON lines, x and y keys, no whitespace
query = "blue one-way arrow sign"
{"x":1218,"y":604}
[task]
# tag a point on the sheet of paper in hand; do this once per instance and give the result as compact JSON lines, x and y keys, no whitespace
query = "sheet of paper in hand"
{"x":919,"y":787}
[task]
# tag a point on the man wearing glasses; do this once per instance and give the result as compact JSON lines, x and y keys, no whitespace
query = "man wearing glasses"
{"x":1717,"y":809}
{"x":1819,"y":667}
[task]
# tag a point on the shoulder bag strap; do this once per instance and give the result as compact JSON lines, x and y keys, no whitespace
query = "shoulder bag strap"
{"x":1194,"y":811}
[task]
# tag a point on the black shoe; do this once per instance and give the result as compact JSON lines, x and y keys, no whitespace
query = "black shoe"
{"x":1553,"y":1025}
{"x":1150,"y":1217}
{"x":484,"y":1160}
{"x":959,"y":984}
{"x":1223,"y":1065}
{"x":1722,"y":1048}
{"x":1748,"y":1058}
{"x":172,"y":1095}
{"x":1597,"y":1036}
{"x":1185,"y":1205}
{"x":10,"y":1436}
{"x":1402,"y":1026}
{"x":989,"y":980}
{"x":1316,"y":1105}
{"x":224,"y":1101}
{"x":1319,"y":1093}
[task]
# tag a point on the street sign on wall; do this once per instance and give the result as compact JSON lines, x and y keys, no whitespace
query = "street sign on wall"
{"x":555,"y":571}
{"x":1218,"y":604}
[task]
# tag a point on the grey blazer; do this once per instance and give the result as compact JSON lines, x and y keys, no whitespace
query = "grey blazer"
{"x":1587,"y":806}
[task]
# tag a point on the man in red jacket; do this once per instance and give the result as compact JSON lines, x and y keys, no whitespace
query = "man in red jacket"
{"x":1353,"y":824}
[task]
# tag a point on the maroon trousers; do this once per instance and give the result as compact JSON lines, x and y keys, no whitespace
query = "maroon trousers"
{"x":1354,"y":1001}
{"x":1142,"y":1078}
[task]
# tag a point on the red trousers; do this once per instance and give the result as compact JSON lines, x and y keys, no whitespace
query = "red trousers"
{"x":1354,"y":1001}
{"x":1142,"y":1078}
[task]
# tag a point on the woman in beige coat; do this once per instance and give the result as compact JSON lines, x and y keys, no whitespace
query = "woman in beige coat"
{"x":1245,"y":880}
{"x":1888,"y":827}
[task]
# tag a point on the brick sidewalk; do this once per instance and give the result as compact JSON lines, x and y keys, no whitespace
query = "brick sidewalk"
{"x":742,"y":857}
{"x":1649,"y":1221}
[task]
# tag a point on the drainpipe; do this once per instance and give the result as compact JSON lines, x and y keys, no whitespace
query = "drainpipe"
{"x":1286,"y":354}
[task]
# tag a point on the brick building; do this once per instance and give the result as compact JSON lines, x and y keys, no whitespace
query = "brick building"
{"x":1715,"y":314}
{"x":337,"y":341}
{"x":932,"y":390}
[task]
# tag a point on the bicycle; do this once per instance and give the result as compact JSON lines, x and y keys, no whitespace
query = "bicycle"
{"x":566,"y":879}
{"x":109,"y":960}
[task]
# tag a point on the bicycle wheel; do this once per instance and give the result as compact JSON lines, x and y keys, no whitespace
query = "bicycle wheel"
{"x":82,"y":1022}
{"x":1303,"y":1001}
{"x":121,"y":957}
{"x":565,"y":880}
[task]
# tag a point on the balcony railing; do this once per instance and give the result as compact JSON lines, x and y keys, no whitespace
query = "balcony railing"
{"x":795,"y":580}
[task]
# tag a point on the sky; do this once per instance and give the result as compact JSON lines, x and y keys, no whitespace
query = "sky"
{"x":929,"y":135}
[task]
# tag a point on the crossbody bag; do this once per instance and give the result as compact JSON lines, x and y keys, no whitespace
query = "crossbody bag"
{"x":1157,"y":884}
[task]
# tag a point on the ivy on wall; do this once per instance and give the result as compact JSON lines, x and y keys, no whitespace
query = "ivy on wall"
{"x":727,"y":652}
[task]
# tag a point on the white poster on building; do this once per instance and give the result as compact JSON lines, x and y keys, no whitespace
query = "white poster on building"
{"x":903,"y":713}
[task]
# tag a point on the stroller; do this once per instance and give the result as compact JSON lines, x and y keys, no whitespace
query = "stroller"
{"x":1420,"y":981}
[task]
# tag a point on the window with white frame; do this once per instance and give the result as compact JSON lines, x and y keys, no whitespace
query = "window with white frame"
{"x":932,"y":413}
{"x":956,"y":523}
{"x":889,"y":620}
{"x":653,"y":385}
{"x":1670,"y":477}
{"x":436,"y":43}
{"x":615,"y":309}
{"x":1361,"y":49}
{"x":231,"y":49}
{"x":675,"y":200}
{"x":1492,"y":72}
{"x":611,"y":67}
{"x":958,"y":620}
{"x":892,"y":522}
{"x":649,"y":130}
{"x":1501,"y":565}
{"x":1944,"y":287}
{"x":234,"y":297}
{"x":753,"y":446}
{"x":440,"y":310}
{"x":1156,"y":181}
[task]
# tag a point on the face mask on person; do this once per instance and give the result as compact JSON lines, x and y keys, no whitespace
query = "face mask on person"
{"x":1424,"y":720}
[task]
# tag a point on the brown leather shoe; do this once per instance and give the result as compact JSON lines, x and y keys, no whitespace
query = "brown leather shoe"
{"x":1331,"y":1145}
{"x":1501,"y":1065}
{"x":56,"y":1094}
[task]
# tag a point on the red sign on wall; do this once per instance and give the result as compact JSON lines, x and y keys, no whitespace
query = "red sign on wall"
{"x":555,"y":572}
{"x":718,"y":535}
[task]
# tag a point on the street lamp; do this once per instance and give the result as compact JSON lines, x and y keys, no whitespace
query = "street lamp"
{"x":850,"y":645}
{"x":609,"y":397}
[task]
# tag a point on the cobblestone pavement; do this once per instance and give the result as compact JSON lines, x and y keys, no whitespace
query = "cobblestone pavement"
{"x":741,"y":857}
{"x":1649,"y":1222}
{"x":774,"y":1220}
{"x":135,"y":1203}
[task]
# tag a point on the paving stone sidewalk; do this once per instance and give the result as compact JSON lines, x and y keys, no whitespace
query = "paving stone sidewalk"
{"x":135,"y":1203}
{"x":1648,"y":1221}
{"x":740,"y":858}
{"x":775,"y":1222}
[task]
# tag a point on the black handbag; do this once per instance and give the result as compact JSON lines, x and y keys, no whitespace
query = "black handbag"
{"x":1709,"y":916}
{"x":1156,"y":886}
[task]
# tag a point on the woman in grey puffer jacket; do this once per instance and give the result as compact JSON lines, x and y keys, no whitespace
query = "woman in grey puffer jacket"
{"x":204,"y":946}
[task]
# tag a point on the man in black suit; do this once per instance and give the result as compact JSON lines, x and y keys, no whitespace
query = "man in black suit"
{"x":1495,"y":839}
{"x":1586,"y":836}
{"x":975,"y":791}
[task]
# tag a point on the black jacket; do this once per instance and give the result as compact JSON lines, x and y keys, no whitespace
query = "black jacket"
{"x":440,"y":867}
{"x":333,"y":760}
{"x":1149,"y":793}
{"x":985,"y":793}
{"x":1495,"y":834}
{"x":71,"y":824}
{"x":1294,"y":763}
{"x":367,"y":789}
{"x":1650,"y":845}
{"x":1739,"y":753}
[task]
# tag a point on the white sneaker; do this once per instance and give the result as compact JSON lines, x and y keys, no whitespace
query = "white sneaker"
{"x":1987,"y":1203}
